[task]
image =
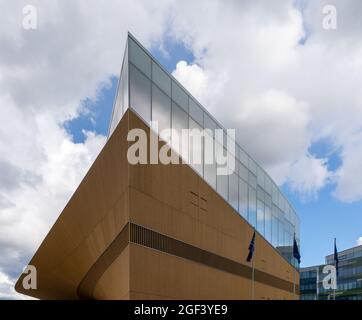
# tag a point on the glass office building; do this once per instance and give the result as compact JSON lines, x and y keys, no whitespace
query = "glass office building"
{"x":155,"y":95}
{"x":349,"y":280}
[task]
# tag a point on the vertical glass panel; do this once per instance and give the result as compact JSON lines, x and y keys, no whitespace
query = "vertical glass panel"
{"x":260,"y":193}
{"x":161,"y":78}
{"x":179,"y":121}
{"x":196,"y":146}
{"x":252,"y":206}
{"x":243,"y":198}
{"x":280,"y":200}
{"x":222,"y":185}
{"x":252,"y":179}
{"x":268,"y":224}
{"x":210,"y":173}
{"x":179,"y":96}
{"x":161,"y":109}
{"x":231,"y":163}
{"x":139,"y":57}
{"x":274,"y":230}
{"x":209,"y":123}
{"x":219,"y":135}
{"x":234,"y":191}
{"x":237,"y":151}
{"x":121,"y":102}
{"x":281,"y":234}
{"x":260,"y":176}
{"x":267,"y":199}
{"x":196,"y":112}
{"x":125,"y":85}
{"x":243,"y":172}
{"x":140,"y":94}
{"x":275,"y":194}
{"x":221,"y":179}
{"x":244,"y":159}
{"x":237,"y":166}
{"x":260,"y":217}
{"x":268,"y":184}
{"x":252,"y":166}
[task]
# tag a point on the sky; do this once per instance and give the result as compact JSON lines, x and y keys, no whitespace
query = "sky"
{"x":289,"y":87}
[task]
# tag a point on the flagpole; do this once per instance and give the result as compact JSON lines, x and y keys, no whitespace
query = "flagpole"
{"x":336,"y":266}
{"x":252,"y":280}
{"x":294,"y":284}
{"x":249,"y":259}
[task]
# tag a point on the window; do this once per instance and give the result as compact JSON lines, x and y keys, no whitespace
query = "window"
{"x":243,"y":198}
{"x":281,"y":234}
{"x":140,"y":94}
{"x":260,"y":193}
{"x":267,"y":200}
{"x":243,"y":172}
{"x":161,"y":78}
{"x":222,"y":185}
{"x":139,"y":58}
{"x":209,"y":123}
{"x":196,"y":146}
{"x":252,"y":206}
{"x":234,"y":191}
{"x":179,"y":96}
{"x":274,"y":230}
{"x":244,"y":159}
{"x":268,"y":185}
{"x":179,"y":121}
{"x":121,"y":103}
{"x":260,"y":177}
{"x":260,"y":217}
{"x":161,"y":109}
{"x":196,"y":112}
{"x":222,"y":179}
{"x":252,"y":166}
{"x":209,"y":166}
{"x":268,"y":224}
{"x":275,"y":194}
{"x":252,"y":179}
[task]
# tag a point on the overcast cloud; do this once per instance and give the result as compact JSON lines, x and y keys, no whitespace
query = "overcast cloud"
{"x":266,"y":68}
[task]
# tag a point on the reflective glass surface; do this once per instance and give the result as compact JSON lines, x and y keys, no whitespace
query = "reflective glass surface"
{"x":161,"y":109}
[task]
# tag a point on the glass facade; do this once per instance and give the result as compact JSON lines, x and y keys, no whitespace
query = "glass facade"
{"x":349,"y":280}
{"x":154,"y":94}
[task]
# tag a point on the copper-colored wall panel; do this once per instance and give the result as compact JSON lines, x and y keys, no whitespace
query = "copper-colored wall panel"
{"x":92,"y":218}
{"x":172,"y":200}
{"x":171,"y":206}
{"x":114,"y":283}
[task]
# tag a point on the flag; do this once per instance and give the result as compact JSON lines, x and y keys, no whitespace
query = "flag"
{"x":296,"y":253}
{"x":251,"y":248}
{"x":336,"y":256}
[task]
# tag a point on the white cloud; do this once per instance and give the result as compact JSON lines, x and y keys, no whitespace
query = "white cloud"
{"x":192,"y":77}
{"x":349,"y":176}
{"x":307,"y":175}
{"x":359,"y":241}
{"x":7,"y":290}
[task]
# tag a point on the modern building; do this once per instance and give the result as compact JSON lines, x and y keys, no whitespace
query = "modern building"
{"x":168,"y":231}
{"x":349,"y":279}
